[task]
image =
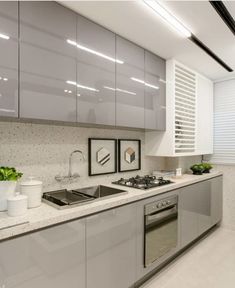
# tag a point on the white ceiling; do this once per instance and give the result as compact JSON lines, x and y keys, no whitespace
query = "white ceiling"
{"x":138,"y":23}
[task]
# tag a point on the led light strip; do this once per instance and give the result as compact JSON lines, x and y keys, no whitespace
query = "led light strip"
{"x":81,"y":86}
{"x":145,"y":83}
{"x":94,"y":52}
{"x":168,"y":18}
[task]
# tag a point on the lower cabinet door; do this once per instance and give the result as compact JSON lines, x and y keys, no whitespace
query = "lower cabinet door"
{"x":111,"y":248}
{"x":204,"y":193}
{"x":51,"y":258}
{"x":188,"y":214}
{"x":217,"y":199}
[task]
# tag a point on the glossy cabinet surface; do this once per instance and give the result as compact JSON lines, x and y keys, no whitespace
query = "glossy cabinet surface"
{"x":111,"y":248}
{"x":9,"y":58}
{"x":129,"y":84}
{"x":47,"y":61}
{"x":95,"y":73}
{"x":200,"y":207}
{"x":155,"y":92}
{"x":217,"y":199}
{"x":54,"y":257}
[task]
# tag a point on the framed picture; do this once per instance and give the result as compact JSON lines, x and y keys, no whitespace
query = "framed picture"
{"x":102,"y":154}
{"x":129,"y":152}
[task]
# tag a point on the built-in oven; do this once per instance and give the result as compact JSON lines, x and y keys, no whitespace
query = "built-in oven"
{"x":161,"y":228}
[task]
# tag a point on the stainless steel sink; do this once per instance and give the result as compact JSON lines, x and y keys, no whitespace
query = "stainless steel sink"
{"x":62,"y":199}
{"x":100,"y":191}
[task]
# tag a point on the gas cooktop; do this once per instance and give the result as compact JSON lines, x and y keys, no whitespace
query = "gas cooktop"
{"x":143,"y":182}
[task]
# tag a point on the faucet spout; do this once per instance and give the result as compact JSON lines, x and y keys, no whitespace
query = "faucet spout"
{"x":70,"y":160}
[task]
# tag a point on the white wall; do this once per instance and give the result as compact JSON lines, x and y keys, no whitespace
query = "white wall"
{"x":43,"y":151}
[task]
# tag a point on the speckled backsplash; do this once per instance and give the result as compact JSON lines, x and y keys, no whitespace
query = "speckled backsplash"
{"x":42,"y":150}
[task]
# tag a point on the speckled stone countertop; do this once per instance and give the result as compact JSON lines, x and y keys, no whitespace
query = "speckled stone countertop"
{"x":46,"y":215}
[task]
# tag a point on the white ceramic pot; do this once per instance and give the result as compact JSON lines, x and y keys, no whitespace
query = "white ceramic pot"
{"x":7,"y":189}
{"x":33,"y":190}
{"x":17,"y":205}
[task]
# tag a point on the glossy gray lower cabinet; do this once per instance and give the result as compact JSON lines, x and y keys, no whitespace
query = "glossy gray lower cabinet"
{"x":155,"y":92}
{"x":95,"y":73}
{"x":111,"y":248}
{"x":217,"y":199}
{"x":51,"y":258}
{"x":200,"y":207}
{"x":47,"y":61}
{"x":129,"y":84}
{"x":9,"y":58}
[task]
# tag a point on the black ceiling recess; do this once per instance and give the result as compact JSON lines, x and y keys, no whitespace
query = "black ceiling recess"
{"x":196,"y":41}
{"x":224,"y":14}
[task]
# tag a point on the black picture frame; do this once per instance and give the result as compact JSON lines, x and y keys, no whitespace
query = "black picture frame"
{"x":120,"y":155}
{"x":90,"y":140}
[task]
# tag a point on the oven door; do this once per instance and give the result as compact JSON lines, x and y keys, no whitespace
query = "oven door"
{"x":161,"y":234}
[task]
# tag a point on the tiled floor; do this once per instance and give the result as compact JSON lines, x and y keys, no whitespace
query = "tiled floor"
{"x":209,"y":264}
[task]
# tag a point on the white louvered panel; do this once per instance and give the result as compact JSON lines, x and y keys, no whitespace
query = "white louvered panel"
{"x":185,"y":110}
{"x":224,"y":123}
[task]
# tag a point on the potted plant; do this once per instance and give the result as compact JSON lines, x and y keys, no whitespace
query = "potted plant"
{"x":207,"y":167}
{"x":8,"y":180}
{"x":197,"y":169}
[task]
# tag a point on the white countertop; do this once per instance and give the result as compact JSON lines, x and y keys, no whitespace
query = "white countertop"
{"x":46,"y":215}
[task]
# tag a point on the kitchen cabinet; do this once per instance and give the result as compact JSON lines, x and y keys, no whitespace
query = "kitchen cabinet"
{"x":95,"y":73}
{"x":53,"y":257}
{"x":155,"y":92}
{"x":217,"y":199}
{"x":9,"y":58}
{"x":130,"y":84}
{"x":189,"y":118}
{"x":111,"y":248}
{"x":47,"y":61}
{"x":200,"y":207}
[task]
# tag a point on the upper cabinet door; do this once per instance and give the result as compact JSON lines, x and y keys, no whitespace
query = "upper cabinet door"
{"x":155,"y":92}
{"x":47,"y":61}
{"x":9,"y":58}
{"x":95,"y":73}
{"x":130,"y":84}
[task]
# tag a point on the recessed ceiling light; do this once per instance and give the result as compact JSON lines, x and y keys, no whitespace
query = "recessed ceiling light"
{"x":94,"y":52}
{"x":3,"y":36}
{"x":5,"y":79}
{"x":168,"y":17}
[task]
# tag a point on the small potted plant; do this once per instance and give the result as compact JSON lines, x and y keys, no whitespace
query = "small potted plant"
{"x":197,"y":169}
{"x":8,"y":180}
{"x":207,"y":167}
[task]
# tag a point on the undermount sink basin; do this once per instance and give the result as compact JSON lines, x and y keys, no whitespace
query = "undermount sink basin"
{"x":62,"y":199}
{"x":99,"y":191}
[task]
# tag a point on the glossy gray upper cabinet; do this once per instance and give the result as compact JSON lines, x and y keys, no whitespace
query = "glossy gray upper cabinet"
{"x":95,"y":73}
{"x":9,"y":58}
{"x":47,"y":61}
{"x":111,"y":248}
{"x":129,"y":84}
{"x":50,"y":258}
{"x":155,"y":92}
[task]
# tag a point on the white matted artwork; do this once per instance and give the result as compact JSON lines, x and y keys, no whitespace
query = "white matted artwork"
{"x":102,"y":156}
{"x":129,"y":151}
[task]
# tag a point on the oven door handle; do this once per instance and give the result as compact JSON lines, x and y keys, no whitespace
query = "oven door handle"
{"x":161,"y":215}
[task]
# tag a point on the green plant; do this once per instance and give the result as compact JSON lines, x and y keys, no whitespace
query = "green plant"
{"x":207,"y":167}
{"x":9,"y":174}
{"x":197,"y":169}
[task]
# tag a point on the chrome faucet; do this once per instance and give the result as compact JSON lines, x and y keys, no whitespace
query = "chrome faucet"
{"x":70,"y":176}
